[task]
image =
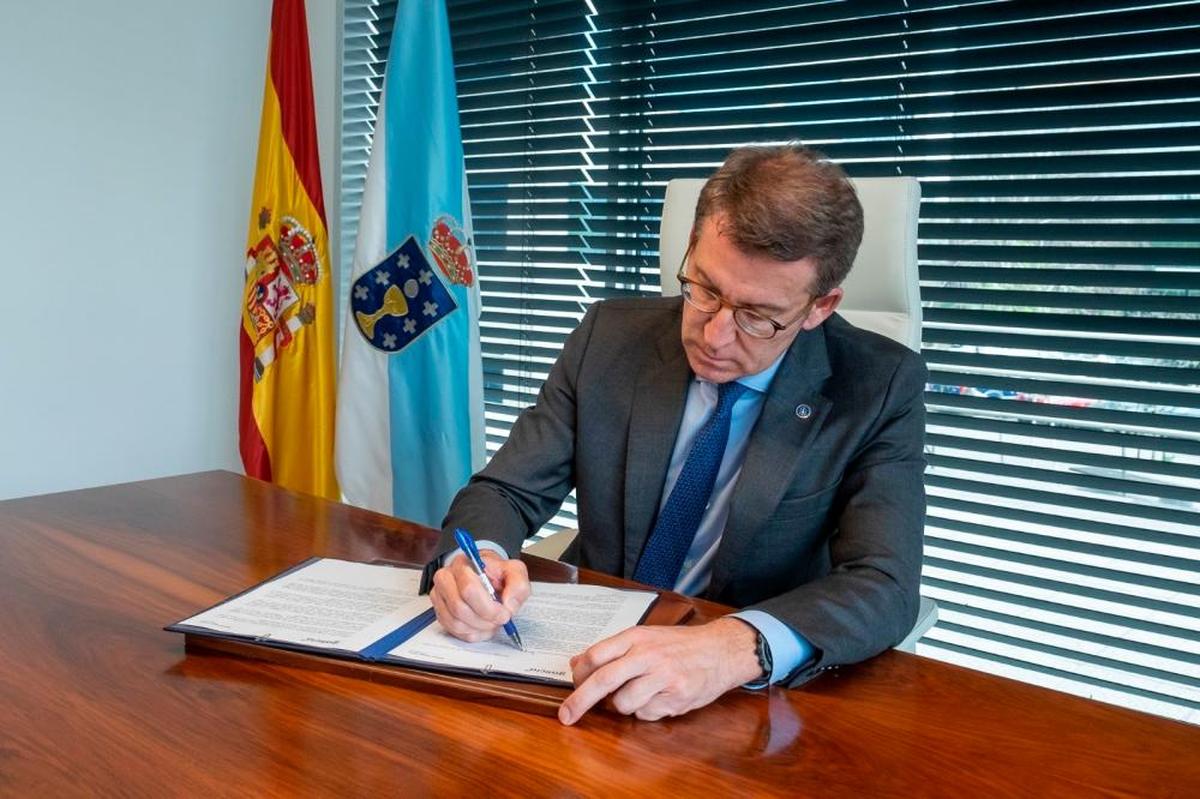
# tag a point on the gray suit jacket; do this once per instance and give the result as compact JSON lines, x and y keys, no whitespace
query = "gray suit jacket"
{"x":826,"y":521}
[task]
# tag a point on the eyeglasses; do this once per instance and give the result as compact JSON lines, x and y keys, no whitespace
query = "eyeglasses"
{"x":706,"y":299}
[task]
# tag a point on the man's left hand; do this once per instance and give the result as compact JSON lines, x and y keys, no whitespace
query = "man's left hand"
{"x":654,"y":672}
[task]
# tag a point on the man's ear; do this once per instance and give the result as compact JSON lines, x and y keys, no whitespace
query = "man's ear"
{"x":822,"y":308}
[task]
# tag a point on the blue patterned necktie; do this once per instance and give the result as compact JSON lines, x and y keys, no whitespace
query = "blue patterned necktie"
{"x":680,"y":518}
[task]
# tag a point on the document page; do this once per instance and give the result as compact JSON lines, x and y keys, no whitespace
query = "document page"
{"x":330,"y":603}
{"x":559,"y":620}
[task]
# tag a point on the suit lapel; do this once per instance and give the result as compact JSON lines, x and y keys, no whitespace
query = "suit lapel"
{"x":777,"y":446}
{"x":658,"y":402}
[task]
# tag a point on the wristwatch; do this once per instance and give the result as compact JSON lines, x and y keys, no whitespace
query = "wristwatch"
{"x":763,"y":650}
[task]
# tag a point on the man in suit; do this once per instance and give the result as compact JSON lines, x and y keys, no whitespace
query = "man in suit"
{"x":742,"y":443}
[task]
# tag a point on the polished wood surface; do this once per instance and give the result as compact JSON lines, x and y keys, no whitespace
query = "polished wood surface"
{"x":95,"y":699}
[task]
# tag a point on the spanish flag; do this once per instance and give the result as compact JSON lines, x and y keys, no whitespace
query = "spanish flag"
{"x":286,"y":412}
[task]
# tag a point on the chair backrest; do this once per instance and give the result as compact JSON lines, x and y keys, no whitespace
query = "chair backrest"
{"x":882,"y":291}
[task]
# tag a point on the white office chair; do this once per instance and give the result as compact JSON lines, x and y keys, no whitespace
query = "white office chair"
{"x":881,"y":293}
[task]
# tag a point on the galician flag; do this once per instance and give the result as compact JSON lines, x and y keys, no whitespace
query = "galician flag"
{"x":286,"y":338}
{"x":410,"y":393}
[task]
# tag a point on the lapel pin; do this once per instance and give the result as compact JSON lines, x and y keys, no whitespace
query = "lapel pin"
{"x":803,"y":411}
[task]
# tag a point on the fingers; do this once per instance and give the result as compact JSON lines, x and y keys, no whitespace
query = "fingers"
{"x":653,"y":672}
{"x":453,"y":625}
{"x":493,"y":567}
{"x":514,"y":585}
{"x":637,"y":697}
{"x":602,"y":682}
{"x":472,"y":592}
{"x":598,"y":672}
{"x":636,"y":689}
{"x":601,"y":653}
{"x":463,"y":606}
{"x":510,"y":578}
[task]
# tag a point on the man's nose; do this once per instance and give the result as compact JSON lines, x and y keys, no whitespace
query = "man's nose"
{"x":720,"y":330}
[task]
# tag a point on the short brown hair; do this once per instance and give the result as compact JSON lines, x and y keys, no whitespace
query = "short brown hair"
{"x":787,"y":202}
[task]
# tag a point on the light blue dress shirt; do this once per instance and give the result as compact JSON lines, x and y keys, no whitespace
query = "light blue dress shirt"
{"x":789,"y":649}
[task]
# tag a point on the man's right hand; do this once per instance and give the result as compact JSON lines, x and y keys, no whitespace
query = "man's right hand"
{"x":463,"y":606}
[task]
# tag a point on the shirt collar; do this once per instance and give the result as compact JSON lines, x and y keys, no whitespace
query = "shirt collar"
{"x":761,"y":381}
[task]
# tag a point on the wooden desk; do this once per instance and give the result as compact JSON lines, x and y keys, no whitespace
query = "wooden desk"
{"x":96,"y":699}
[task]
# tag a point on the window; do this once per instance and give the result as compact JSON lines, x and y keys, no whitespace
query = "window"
{"x":1058,"y":147}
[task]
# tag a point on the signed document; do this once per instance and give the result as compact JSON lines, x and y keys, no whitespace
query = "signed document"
{"x":559,"y":620}
{"x":372,"y":612}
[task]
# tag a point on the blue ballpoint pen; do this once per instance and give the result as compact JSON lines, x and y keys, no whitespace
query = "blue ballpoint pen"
{"x":467,"y":544}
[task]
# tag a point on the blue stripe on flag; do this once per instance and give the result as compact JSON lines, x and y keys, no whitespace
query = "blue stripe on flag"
{"x":429,"y":381}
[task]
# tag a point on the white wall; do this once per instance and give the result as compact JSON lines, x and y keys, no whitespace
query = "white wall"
{"x":127,"y":145}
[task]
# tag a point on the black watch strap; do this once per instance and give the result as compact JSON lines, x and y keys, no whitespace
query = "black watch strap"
{"x":763,"y":650}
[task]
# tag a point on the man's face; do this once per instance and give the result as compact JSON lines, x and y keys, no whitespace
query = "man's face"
{"x":717,"y":349}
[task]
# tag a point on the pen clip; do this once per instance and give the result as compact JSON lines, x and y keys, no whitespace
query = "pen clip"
{"x":467,"y":544}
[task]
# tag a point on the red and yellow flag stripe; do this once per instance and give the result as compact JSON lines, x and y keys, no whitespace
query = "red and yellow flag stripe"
{"x":286,"y":413}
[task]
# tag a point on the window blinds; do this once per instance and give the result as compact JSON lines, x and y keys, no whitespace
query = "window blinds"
{"x":366,"y":37}
{"x":1058,"y":150}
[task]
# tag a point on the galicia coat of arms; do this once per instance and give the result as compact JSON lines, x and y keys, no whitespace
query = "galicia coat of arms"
{"x":278,"y":271}
{"x":399,"y":299}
